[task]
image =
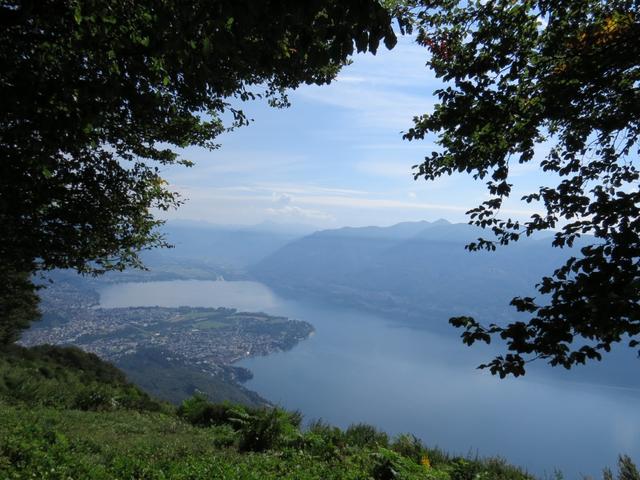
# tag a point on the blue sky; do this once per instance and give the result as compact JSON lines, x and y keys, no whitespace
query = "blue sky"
{"x":335,"y":157}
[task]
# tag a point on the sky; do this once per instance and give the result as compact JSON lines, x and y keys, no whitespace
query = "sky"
{"x":336,"y":157}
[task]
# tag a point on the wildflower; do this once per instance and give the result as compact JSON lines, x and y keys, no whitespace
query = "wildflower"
{"x":425,"y":462}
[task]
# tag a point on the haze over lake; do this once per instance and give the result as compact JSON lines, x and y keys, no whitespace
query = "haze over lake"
{"x":363,"y":368}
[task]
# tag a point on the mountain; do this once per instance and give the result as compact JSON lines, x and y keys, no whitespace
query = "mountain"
{"x":411,"y":270}
{"x":421,"y":275}
{"x":227,"y":246}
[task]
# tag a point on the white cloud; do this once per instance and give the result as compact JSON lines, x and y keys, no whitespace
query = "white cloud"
{"x":217,"y":164}
{"x":384,"y":91}
{"x":352,"y":79}
{"x":326,"y":207}
{"x":371,"y":107}
{"x":284,"y":209}
{"x":386,"y":168}
{"x":391,"y":203}
{"x":290,"y":212}
{"x":398,"y":146}
{"x":403,"y":67}
{"x":281,"y":199}
{"x":298,"y":188}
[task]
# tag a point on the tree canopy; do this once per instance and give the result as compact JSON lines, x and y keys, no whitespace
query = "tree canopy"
{"x":96,"y":96}
{"x":520,"y":76}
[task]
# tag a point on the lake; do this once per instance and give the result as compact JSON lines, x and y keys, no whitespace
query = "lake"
{"x":360,"y":367}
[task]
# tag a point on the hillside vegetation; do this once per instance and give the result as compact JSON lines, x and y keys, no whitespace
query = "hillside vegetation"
{"x":65,"y":414}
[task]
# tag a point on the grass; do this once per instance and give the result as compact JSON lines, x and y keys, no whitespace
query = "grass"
{"x":124,"y":434}
{"x":60,"y":444}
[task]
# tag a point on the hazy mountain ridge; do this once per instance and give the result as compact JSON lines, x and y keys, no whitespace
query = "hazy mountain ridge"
{"x":228,"y":246}
{"x":426,"y":278}
{"x":411,"y":270}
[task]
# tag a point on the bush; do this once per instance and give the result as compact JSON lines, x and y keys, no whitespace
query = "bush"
{"x":464,"y":469}
{"x":265,"y":429}
{"x":437,"y":456}
{"x":409,"y":446}
{"x":498,"y":469}
{"x":389,"y":465}
{"x":198,"y":411}
{"x":363,"y":435}
{"x":224,"y":436}
{"x":627,"y":470}
{"x":95,"y":399}
{"x":489,"y":469}
{"x":328,"y":432}
{"x":323,"y":440}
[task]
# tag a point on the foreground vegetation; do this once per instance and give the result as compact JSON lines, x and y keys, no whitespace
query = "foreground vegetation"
{"x":65,"y":414}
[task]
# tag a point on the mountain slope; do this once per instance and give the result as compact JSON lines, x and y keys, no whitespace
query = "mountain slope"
{"x":410,"y":270}
{"x":228,"y":246}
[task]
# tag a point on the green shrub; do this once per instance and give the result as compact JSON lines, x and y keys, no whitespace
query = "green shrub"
{"x":437,"y":456}
{"x":627,"y":470}
{"x":98,"y":399}
{"x":364,"y":435}
{"x":327,"y":431}
{"x":198,"y":411}
{"x":409,"y":446}
{"x":224,"y":436}
{"x":389,"y":465}
{"x":323,"y":440}
{"x":497,"y":468}
{"x":265,"y":429}
{"x":487,"y":469}
{"x":295,"y":418}
{"x":463,"y":469}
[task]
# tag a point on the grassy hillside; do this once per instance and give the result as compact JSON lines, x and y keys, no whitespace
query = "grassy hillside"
{"x":65,"y":414}
{"x":67,"y":378}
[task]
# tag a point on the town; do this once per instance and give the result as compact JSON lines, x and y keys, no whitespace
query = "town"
{"x":206,"y":339}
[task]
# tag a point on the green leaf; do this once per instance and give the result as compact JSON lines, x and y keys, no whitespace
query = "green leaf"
{"x":77,"y":14}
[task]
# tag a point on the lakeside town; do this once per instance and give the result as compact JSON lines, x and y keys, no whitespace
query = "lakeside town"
{"x":209,"y":340}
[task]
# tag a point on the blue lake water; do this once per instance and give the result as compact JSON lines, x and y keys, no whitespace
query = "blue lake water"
{"x":359,"y":367}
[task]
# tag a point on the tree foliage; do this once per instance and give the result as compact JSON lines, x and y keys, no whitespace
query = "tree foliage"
{"x":18,"y":304}
{"x":520,"y":76}
{"x":97,"y":96}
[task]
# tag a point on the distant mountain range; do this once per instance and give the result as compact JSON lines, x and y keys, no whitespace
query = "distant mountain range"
{"x":234,"y":247}
{"x":420,"y":275}
{"x":415,"y":271}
